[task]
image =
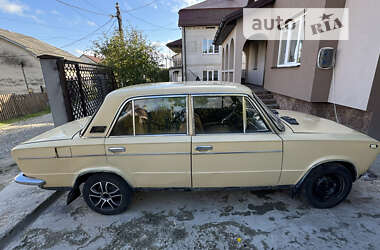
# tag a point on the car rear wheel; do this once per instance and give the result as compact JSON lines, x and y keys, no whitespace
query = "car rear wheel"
{"x":107,"y":193}
{"x":327,"y":186}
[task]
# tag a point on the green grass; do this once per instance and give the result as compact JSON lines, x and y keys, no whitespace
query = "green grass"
{"x":25,"y":117}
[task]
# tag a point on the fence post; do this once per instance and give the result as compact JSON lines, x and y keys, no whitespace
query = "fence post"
{"x":54,"y":90}
{"x":65,"y":90}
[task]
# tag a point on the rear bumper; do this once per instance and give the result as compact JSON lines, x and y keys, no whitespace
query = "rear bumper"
{"x":22,"y":179}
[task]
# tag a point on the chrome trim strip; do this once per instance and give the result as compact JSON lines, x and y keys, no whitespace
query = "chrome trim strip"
{"x":36,"y":158}
{"x":132,"y":136}
{"x":62,"y":157}
{"x":149,"y":154}
{"x":22,"y":179}
{"x":152,"y":154}
{"x":241,"y":152}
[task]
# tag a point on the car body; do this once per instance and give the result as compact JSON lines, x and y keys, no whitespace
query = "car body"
{"x":191,"y":135}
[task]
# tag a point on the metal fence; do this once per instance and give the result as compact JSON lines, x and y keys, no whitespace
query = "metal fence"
{"x":84,"y":87}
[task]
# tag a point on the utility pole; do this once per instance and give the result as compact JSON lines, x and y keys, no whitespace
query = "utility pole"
{"x":119,"y":20}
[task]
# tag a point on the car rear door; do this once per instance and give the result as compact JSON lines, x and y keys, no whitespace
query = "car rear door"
{"x":232,"y":145}
{"x":150,"y":144}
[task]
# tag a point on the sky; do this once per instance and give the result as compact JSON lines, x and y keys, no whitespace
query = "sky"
{"x":73,"y":29}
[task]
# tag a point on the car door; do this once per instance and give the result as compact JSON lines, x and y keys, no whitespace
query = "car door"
{"x":232,"y":145}
{"x":150,"y":144}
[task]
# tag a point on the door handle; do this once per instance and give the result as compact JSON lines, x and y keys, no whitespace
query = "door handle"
{"x":116,"y":149}
{"x":203,"y":148}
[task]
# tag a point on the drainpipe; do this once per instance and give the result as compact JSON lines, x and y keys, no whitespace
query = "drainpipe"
{"x":184,"y":64}
{"x":23,"y":72}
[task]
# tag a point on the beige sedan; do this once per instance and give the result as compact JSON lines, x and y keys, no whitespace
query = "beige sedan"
{"x":191,"y":136}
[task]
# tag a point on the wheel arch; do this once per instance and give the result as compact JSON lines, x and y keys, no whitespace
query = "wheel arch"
{"x":84,"y":175}
{"x":345,"y":163}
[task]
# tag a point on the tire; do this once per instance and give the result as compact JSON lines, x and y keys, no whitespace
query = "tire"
{"x":107,"y":194}
{"x":327,"y":186}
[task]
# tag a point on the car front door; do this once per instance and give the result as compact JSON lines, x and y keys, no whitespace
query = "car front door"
{"x":232,"y":145}
{"x":150,"y":144}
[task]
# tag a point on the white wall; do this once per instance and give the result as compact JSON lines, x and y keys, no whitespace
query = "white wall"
{"x":195,"y":60}
{"x":357,"y":58}
{"x":11,"y":77}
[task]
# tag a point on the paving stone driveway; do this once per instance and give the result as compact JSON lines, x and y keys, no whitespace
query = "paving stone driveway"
{"x":218,"y":219}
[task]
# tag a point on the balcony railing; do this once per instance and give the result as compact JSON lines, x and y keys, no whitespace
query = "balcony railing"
{"x":177,"y":62}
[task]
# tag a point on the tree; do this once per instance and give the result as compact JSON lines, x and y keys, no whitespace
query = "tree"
{"x":133,"y":59}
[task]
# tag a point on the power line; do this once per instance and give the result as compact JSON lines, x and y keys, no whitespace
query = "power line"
{"x":93,"y":5}
{"x":152,"y":24}
{"x":89,"y":34}
{"x":82,"y":9}
{"x":110,"y":28}
{"x":140,"y":7}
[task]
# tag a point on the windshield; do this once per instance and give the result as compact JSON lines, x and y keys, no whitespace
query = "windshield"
{"x":274,"y":118}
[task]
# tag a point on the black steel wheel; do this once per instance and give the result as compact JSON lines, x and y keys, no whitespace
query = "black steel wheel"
{"x":107,"y":193}
{"x":327,"y":186}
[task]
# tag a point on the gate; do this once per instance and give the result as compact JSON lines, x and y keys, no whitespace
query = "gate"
{"x":84,"y":87}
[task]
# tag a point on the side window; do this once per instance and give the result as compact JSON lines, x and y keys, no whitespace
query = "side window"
{"x":166,"y":115}
{"x":253,"y":122}
{"x":124,"y":123}
{"x":218,"y":114}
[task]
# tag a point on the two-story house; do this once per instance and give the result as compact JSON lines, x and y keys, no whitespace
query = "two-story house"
{"x":201,"y":59}
{"x":348,"y":93}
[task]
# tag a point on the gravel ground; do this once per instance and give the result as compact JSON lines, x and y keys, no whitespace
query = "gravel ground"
{"x":14,"y":134}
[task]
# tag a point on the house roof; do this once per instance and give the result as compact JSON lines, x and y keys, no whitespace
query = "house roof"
{"x":209,"y":12}
{"x":229,"y":21}
{"x":95,"y":59}
{"x":34,"y":46}
{"x":175,"y":46}
{"x":216,"y":4}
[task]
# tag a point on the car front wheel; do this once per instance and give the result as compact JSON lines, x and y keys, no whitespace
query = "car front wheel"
{"x":107,"y":193}
{"x":327,"y":186}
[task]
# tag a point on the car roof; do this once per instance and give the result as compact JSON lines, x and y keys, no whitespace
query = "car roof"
{"x":191,"y":87}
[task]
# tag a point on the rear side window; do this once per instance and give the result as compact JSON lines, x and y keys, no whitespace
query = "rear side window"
{"x":152,"y":116}
{"x":166,"y":115}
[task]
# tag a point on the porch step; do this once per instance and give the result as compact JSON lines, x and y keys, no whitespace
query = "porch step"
{"x":273,"y":106}
{"x":265,"y":95}
{"x":268,"y":101}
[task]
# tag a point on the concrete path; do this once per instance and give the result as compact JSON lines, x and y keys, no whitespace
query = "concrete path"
{"x":219,"y":219}
{"x":17,"y":204}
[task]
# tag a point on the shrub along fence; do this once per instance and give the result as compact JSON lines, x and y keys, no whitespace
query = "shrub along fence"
{"x":12,"y":105}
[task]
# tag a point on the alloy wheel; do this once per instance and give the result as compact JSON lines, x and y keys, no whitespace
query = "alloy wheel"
{"x":105,"y":195}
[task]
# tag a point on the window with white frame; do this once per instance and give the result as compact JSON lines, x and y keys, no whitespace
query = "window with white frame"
{"x":210,"y":75}
{"x":209,"y":48}
{"x":290,"y":47}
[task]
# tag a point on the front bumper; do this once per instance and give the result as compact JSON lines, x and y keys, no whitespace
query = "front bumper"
{"x":22,"y":179}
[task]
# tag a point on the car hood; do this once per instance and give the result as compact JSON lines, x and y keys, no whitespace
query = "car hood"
{"x":313,"y":124}
{"x":63,"y":132}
